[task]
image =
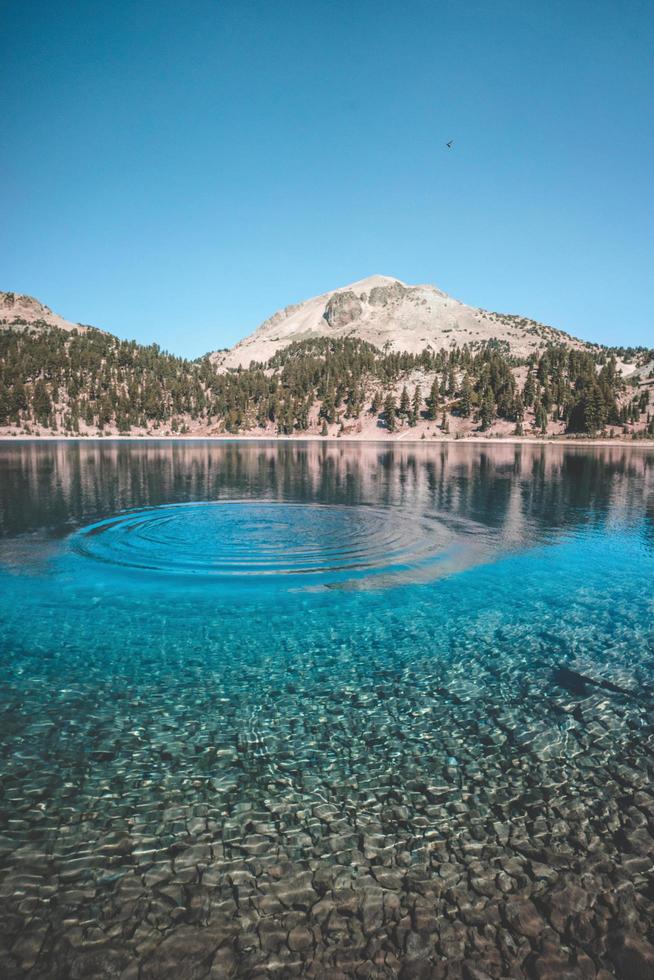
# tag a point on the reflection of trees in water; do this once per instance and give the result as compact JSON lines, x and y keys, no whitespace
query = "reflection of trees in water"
{"x":508,"y":487}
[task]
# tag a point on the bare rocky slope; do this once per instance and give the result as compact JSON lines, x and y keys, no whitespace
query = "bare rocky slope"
{"x":19,"y":311}
{"x":383,"y":310}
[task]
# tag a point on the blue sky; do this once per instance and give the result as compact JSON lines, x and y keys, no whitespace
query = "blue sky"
{"x":177,"y":171}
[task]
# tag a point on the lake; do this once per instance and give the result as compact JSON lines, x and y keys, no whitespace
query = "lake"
{"x":326,"y":710}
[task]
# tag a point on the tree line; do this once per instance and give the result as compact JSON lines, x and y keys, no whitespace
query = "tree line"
{"x":91,"y":381}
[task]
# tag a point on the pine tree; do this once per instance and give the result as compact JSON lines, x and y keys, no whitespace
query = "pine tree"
{"x":390,"y":412}
{"x":328,"y":407}
{"x":540,"y":417}
{"x":487,"y":409}
{"x":529,"y":391}
{"x":433,"y":401}
{"x":41,"y":403}
{"x":416,"y":405}
{"x":17,"y":399}
{"x":405,"y":404}
{"x":465,"y":402}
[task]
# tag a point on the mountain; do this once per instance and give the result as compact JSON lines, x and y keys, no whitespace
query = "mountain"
{"x":382,"y":310}
{"x":24,"y":312}
{"x":374,"y":360}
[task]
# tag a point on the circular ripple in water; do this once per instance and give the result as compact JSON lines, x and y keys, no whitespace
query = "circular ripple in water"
{"x":242,"y":540}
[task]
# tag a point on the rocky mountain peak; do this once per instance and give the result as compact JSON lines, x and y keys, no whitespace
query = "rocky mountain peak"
{"x":19,"y":311}
{"x":384,"y":310}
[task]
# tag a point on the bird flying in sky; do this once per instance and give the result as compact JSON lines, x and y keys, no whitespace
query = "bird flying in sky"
{"x":449,"y":145}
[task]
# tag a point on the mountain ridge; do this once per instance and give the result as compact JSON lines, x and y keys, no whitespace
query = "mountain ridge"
{"x":384,"y":310}
{"x":18,"y":310}
{"x":381,"y":310}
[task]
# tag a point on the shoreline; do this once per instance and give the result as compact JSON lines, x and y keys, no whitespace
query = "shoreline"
{"x":449,"y":440}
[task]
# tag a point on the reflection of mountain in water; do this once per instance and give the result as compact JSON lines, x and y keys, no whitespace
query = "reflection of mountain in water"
{"x":517,"y":491}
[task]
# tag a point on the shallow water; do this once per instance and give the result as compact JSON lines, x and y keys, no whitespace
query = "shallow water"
{"x":326,"y":710}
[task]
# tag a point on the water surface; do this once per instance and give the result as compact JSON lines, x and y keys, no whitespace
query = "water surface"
{"x":325,"y":710}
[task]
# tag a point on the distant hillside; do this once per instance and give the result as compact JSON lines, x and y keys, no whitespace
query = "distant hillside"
{"x":24,"y":312}
{"x":384,"y":311}
{"x":501,"y":377}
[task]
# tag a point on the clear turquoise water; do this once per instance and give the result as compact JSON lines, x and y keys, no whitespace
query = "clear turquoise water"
{"x":240,"y":682}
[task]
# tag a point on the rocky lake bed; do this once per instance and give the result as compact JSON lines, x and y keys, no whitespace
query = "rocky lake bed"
{"x":328,"y":775}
